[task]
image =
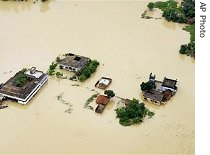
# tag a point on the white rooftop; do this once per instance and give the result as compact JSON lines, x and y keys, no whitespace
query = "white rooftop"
{"x":36,"y":74}
{"x":104,"y":81}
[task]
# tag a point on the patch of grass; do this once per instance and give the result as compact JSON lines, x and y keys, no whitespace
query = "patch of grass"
{"x":60,"y":98}
{"x":89,"y":100}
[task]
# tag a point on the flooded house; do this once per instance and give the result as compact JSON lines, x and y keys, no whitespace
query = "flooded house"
{"x":23,"y":85}
{"x":102,"y":101}
{"x":169,"y":84}
{"x":73,"y":62}
{"x":163,"y":92}
{"x":103,"y":83}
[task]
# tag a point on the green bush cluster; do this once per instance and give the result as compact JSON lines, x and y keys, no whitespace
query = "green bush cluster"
{"x":133,"y":113}
{"x":188,"y":49}
{"x":182,"y":14}
{"x":86,"y":72}
{"x":21,"y":78}
{"x":147,"y":86}
{"x":58,"y":74}
{"x":109,"y":93}
{"x":51,"y":70}
{"x":89,"y":100}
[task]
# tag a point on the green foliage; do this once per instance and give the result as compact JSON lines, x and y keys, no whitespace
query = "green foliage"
{"x":89,"y":100}
{"x":21,"y":78}
{"x":133,"y":113}
{"x":58,"y":59}
{"x":51,"y":70}
{"x":86,"y":72}
{"x":151,"y":5}
{"x":147,"y":86}
{"x":191,"y":30}
{"x":109,"y":93}
{"x":58,"y":74}
{"x":182,"y":14}
{"x":188,"y":49}
{"x":189,"y":8}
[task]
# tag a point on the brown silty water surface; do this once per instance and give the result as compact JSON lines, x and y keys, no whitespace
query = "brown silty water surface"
{"x":128,"y":49}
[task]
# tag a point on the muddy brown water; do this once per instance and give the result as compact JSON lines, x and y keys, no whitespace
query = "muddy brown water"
{"x":128,"y":49}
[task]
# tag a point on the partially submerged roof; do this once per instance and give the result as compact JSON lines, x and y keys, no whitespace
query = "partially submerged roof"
{"x":154,"y":95}
{"x":102,"y":99}
{"x":100,"y":108}
{"x":75,"y":61}
{"x":103,"y":83}
{"x":170,"y":83}
{"x":22,"y":92}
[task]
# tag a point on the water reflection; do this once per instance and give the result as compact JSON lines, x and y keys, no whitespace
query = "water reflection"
{"x":17,"y":6}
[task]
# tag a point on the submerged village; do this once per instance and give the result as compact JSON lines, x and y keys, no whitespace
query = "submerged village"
{"x":76,"y":74}
{"x":24,"y":85}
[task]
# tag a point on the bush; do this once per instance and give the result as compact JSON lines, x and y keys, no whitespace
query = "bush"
{"x":109,"y":93}
{"x":151,"y":5}
{"x":58,"y":74}
{"x":147,"y":86}
{"x":21,"y":78}
{"x":133,"y":113}
{"x":58,"y":59}
{"x":51,"y":70}
{"x":86,"y":72}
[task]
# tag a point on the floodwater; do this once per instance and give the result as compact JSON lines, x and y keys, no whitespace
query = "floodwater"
{"x":128,"y":49}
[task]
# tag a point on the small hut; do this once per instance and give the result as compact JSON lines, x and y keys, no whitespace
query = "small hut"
{"x":102,"y":101}
{"x":103,"y":83}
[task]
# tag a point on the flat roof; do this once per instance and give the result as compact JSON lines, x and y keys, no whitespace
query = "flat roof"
{"x":76,"y":61}
{"x":10,"y":89}
{"x":154,"y":95}
{"x":169,"y":82}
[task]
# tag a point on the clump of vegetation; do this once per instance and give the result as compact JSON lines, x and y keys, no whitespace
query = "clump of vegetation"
{"x":151,"y":5}
{"x":109,"y":93}
{"x":59,"y":75}
{"x":89,"y":100}
{"x":60,"y":98}
{"x":189,"y":49}
{"x":21,"y":78}
{"x":58,"y":59}
{"x":86,"y":72}
{"x":51,"y":70}
{"x":148,"y":86}
{"x":133,"y":113}
{"x":185,"y":13}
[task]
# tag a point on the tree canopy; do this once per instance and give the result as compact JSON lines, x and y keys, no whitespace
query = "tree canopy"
{"x":147,"y":86}
{"x":133,"y":113}
{"x":109,"y":93}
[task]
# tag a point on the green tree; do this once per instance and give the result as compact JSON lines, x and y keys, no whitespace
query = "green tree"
{"x":20,"y":79}
{"x":151,"y":5}
{"x":147,"y":86}
{"x":133,"y":113}
{"x":109,"y":93}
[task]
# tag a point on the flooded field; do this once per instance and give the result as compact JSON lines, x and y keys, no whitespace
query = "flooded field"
{"x":128,"y":48}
